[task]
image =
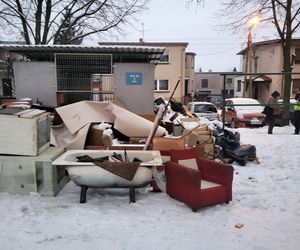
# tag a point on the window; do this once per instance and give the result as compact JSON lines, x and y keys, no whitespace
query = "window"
{"x":161,"y":85}
{"x":204,"y":83}
{"x":297,"y":58}
{"x":296,"y":85}
{"x":204,"y":108}
{"x":165,"y":57}
{"x":239,"y":85}
{"x":229,"y":80}
{"x":255,"y":64}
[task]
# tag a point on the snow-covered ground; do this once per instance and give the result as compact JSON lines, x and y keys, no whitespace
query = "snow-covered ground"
{"x":266,"y":202}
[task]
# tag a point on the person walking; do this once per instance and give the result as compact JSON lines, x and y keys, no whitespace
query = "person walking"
{"x":275,"y":110}
{"x":297,"y":113}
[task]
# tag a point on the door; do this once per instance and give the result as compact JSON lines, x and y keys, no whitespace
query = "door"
{"x":6,"y":87}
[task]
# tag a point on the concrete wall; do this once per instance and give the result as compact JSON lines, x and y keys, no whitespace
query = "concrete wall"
{"x":136,"y":98}
{"x":1,"y":77}
{"x":36,"y":80}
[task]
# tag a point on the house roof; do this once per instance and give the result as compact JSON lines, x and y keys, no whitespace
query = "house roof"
{"x":262,"y":78}
{"x":120,"y":53}
{"x":191,"y":53}
{"x":296,"y":40}
{"x":155,"y":44}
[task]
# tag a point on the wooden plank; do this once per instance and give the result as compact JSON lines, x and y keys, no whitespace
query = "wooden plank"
{"x":167,"y":143}
{"x":25,"y":111}
{"x":33,"y":113}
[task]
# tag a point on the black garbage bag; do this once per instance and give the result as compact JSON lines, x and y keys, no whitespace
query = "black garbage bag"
{"x":231,"y":148}
{"x":228,"y":140}
{"x":242,"y":154}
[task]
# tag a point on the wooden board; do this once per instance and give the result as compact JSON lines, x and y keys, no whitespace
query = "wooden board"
{"x":165,"y":143}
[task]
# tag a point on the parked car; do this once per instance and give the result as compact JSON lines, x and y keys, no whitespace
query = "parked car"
{"x":215,"y":99}
{"x":204,"y":109}
{"x":241,"y":116}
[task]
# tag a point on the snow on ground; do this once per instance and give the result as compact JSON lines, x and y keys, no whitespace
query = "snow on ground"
{"x":266,"y":200}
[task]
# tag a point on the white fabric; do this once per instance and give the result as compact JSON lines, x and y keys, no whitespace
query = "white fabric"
{"x":190,"y":163}
{"x":165,"y":158}
{"x":160,"y":179}
{"x":94,"y":176}
{"x":208,"y":184}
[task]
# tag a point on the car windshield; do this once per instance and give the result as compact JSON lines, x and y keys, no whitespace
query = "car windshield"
{"x":204,"y":108}
{"x":253,"y":105}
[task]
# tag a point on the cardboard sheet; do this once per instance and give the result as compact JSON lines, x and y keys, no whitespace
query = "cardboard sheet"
{"x":131,"y":124}
{"x":78,"y":114}
{"x":61,"y":137}
{"x":77,"y":118}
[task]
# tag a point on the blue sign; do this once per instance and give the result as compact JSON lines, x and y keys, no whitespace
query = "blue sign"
{"x":134,"y":78}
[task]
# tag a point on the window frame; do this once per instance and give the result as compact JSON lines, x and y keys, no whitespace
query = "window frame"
{"x":297,"y":56}
{"x":239,"y":86}
{"x":158,"y":85}
{"x":204,"y":81}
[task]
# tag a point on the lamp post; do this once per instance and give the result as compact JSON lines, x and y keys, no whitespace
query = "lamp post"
{"x":251,"y":24}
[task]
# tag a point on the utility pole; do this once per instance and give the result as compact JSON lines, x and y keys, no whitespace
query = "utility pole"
{"x":249,"y":57}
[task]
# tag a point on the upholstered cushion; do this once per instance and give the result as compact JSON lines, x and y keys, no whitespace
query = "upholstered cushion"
{"x":94,"y":176}
{"x":165,"y":158}
{"x":190,"y":163}
{"x":208,"y":184}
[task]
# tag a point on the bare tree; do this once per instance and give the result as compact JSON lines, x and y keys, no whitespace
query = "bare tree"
{"x":283,"y":14}
{"x":42,"y":21}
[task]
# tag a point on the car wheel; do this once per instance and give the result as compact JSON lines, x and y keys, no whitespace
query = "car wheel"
{"x":232,"y":123}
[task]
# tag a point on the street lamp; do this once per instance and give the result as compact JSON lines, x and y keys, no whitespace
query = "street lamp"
{"x":253,"y":21}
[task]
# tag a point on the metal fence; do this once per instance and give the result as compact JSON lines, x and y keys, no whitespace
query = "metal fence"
{"x":224,"y":91}
{"x":74,"y":73}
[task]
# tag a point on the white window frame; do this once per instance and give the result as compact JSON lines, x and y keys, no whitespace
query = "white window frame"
{"x":158,"y":86}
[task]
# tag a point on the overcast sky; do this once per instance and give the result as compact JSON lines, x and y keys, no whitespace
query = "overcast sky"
{"x":173,"y":20}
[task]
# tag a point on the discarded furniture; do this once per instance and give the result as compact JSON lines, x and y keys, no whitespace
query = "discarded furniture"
{"x":25,"y":174}
{"x":88,"y":175}
{"x":201,"y":135}
{"x":159,"y":182}
{"x":24,"y":132}
{"x":197,"y":181}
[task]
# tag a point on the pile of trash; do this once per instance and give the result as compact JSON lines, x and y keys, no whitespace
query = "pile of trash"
{"x":99,"y":124}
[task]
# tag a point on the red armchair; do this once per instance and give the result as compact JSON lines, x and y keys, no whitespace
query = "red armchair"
{"x":209,"y":183}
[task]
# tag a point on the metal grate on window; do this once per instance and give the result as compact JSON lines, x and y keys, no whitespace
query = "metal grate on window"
{"x":74,"y":71}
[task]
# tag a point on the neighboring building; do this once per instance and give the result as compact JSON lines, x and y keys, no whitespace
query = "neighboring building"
{"x":238,"y":82}
{"x":268,"y":58}
{"x":212,"y":83}
{"x":189,"y":76}
{"x":63,"y":74}
{"x":175,"y":64}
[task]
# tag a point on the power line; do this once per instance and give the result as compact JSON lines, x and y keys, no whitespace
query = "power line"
{"x":219,"y":52}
